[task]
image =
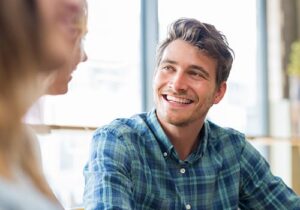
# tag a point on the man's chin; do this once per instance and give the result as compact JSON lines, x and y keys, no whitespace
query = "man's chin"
{"x":176,"y":121}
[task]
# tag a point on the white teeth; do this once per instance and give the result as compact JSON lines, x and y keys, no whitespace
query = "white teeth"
{"x":178,"y":100}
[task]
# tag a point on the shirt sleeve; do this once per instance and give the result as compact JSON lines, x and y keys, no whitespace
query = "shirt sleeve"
{"x":107,"y":173}
{"x":260,"y":189}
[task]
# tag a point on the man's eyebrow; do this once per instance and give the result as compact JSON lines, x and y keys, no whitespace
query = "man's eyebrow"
{"x":168,"y":61}
{"x":196,"y":67}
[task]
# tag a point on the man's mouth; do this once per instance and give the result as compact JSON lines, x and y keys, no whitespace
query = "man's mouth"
{"x":177,"y":99}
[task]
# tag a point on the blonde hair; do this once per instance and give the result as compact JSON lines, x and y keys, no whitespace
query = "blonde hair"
{"x":18,"y":70}
{"x":20,"y":86}
{"x":83,"y":19}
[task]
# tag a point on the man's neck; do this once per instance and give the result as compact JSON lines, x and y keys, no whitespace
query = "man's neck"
{"x":184,"y":138}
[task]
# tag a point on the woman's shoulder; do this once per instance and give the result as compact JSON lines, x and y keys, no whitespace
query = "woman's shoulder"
{"x":22,"y":195}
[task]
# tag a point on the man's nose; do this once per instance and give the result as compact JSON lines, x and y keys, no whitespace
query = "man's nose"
{"x":178,"y":82}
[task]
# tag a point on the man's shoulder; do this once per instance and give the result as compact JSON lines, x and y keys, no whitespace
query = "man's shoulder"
{"x":120,"y":127}
{"x":220,"y":134}
{"x":227,"y":142}
{"x":221,"y":130}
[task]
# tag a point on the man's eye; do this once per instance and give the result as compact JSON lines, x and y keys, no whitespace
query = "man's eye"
{"x":197,"y":74}
{"x":167,"y":68}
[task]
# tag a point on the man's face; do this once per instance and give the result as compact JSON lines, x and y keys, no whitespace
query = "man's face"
{"x":185,"y":85}
{"x":59,"y":31}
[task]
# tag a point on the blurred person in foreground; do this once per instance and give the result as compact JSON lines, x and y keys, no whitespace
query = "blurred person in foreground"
{"x":173,"y":157}
{"x":36,"y":38}
{"x":63,"y":75}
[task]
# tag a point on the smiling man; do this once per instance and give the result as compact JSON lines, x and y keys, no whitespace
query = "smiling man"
{"x":172,"y":157}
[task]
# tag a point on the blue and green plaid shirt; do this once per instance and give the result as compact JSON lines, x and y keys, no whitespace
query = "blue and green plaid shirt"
{"x":133,"y":165}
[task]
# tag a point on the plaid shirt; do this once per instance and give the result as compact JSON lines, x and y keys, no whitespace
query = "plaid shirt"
{"x":133,"y":165}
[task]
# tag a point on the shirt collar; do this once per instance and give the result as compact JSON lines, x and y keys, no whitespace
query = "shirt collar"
{"x":159,"y":133}
{"x":202,"y":146}
{"x":166,"y":145}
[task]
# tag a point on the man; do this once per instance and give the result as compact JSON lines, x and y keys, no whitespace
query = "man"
{"x":171,"y":157}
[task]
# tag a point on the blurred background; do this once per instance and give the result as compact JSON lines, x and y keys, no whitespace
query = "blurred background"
{"x":262,"y":98}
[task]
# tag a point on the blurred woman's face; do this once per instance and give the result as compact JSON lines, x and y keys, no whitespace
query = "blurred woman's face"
{"x":59,"y":31}
{"x":63,"y":75}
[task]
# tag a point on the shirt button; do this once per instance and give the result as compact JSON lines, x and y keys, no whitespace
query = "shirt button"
{"x":182,"y":170}
{"x":188,"y":206}
{"x":165,"y":154}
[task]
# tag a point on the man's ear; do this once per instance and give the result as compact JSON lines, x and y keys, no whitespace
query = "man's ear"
{"x":220,"y":92}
